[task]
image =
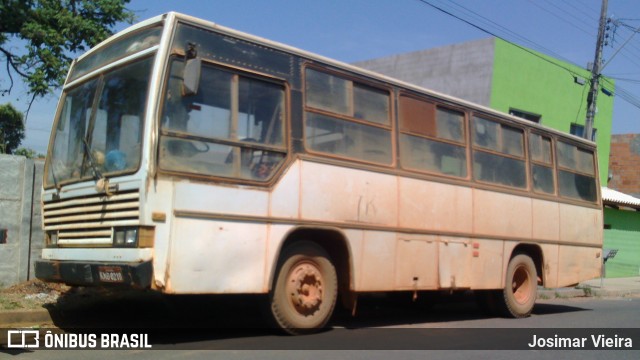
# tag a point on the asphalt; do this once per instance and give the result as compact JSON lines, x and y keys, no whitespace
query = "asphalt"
{"x":610,"y":287}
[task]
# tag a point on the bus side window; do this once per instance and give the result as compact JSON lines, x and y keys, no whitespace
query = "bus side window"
{"x":432,"y":138}
{"x":541,"y":164}
{"x":346,"y":118}
{"x":576,"y":172}
{"x":498,"y":154}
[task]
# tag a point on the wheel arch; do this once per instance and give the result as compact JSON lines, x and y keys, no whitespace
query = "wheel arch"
{"x":535,"y":253}
{"x":333,"y":241}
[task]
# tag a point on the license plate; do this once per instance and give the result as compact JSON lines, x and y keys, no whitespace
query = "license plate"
{"x":111,"y":274}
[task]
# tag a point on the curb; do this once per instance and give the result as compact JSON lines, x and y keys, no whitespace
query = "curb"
{"x":586,"y":291}
{"x":25,"y":317}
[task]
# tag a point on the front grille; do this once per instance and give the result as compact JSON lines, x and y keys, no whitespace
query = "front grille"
{"x":89,"y":220}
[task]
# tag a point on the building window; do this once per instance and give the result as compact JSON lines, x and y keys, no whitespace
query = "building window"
{"x":525,"y":115}
{"x":578,"y":130}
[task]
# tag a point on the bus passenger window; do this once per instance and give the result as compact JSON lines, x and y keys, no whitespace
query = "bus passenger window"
{"x":541,"y":165}
{"x":542,"y":179}
{"x":327,"y":92}
{"x":432,"y":138}
{"x":360,"y":124}
{"x":339,"y":137}
{"x":498,"y":154}
{"x":370,"y":104}
{"x":576,"y":172}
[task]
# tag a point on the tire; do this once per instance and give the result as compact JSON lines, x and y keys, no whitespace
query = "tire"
{"x":521,"y":287}
{"x":304,"y":293}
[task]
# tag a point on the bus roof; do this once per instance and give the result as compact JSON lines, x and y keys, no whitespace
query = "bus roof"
{"x":335,"y":63}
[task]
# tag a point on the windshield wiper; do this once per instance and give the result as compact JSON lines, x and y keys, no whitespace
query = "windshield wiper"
{"x":87,"y":149}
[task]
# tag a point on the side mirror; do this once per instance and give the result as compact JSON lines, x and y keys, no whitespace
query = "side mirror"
{"x":191,"y":77}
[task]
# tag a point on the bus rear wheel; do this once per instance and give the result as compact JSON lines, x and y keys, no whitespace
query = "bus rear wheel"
{"x":521,"y":287}
{"x":305,"y":290}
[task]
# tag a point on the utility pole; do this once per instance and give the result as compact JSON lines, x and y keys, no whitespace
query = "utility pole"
{"x":595,"y":74}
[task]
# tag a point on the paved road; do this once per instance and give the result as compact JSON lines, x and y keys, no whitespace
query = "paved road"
{"x":380,"y":328}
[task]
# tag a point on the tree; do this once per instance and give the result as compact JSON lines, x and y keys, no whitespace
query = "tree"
{"x":28,"y":153}
{"x":11,"y":128}
{"x":53,"y":31}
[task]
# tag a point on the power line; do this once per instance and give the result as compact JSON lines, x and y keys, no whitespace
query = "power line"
{"x":617,"y":23}
{"x":588,"y":31}
{"x":475,"y":15}
{"x":630,"y":57}
{"x":579,"y":9}
{"x":572,"y":72}
{"x":623,"y":94}
{"x":633,"y":81}
{"x":620,"y":48}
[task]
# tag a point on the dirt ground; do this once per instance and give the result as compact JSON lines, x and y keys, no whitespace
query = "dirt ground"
{"x":30,"y":295}
{"x":36,"y":294}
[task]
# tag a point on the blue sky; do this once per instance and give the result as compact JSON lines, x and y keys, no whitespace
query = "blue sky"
{"x":353,"y":30}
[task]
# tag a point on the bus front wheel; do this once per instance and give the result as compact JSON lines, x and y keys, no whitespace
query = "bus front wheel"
{"x":520,"y":291}
{"x":305,"y":290}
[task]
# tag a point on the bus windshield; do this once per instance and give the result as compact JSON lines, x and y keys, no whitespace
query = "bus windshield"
{"x":99,"y":130}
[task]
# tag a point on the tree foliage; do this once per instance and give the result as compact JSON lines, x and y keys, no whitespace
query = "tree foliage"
{"x":28,"y":153}
{"x":11,"y":128}
{"x":53,"y":32}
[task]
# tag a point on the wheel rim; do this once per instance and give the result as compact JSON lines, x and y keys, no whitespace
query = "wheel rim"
{"x":521,"y":285}
{"x":305,"y":288}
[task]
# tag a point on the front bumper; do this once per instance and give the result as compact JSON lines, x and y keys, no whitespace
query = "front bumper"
{"x":83,"y":273}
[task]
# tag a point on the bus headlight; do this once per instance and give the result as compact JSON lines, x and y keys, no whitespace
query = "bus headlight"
{"x":125,"y":237}
{"x":139,"y":236}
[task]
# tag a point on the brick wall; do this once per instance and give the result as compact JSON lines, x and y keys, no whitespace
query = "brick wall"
{"x":624,"y":164}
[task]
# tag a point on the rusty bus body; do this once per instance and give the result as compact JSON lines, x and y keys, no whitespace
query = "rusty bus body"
{"x":293,"y":175}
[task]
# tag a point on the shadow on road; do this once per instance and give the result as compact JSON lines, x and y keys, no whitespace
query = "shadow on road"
{"x":192,"y":319}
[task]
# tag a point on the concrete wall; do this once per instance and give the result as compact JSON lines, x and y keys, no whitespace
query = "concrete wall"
{"x":20,"y":217}
{"x":462,"y":70}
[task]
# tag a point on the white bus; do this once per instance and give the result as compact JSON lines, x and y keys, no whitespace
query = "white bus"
{"x":189,"y":158}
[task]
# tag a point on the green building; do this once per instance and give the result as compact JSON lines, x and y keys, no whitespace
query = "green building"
{"x":511,"y":79}
{"x":621,"y":233}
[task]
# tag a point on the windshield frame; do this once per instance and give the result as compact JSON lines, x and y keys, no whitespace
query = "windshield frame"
{"x":51,"y":180}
